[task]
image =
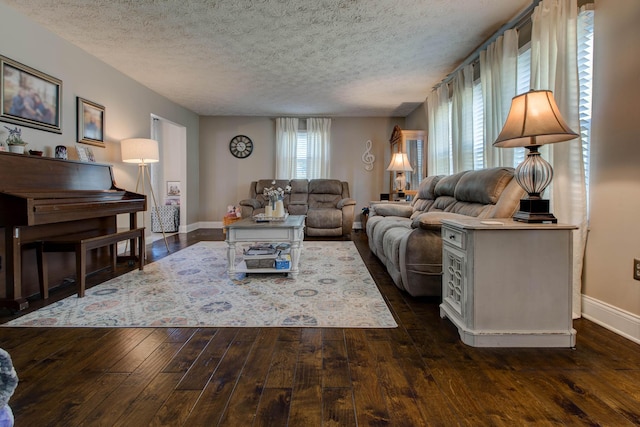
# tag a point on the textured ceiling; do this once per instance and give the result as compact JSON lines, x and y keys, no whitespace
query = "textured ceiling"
{"x":280,"y":57}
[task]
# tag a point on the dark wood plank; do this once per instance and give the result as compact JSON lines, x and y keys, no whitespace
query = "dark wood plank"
{"x":335,"y":364}
{"x":204,"y":366}
{"x":371,"y":407}
{"x":190,"y":351}
{"x":215,"y":396}
{"x":246,"y":396}
{"x":306,"y":408}
{"x":338,"y":408}
{"x":274,"y":408}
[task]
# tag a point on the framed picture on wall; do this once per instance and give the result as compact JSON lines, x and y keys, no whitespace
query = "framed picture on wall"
{"x":173,"y":188}
{"x":29,"y":97}
{"x":90,"y":122}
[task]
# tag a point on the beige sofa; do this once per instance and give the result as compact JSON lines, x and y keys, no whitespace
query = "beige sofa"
{"x":407,"y":238}
{"x":325,"y":202}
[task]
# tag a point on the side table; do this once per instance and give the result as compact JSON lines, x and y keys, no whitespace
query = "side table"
{"x":507,"y":283}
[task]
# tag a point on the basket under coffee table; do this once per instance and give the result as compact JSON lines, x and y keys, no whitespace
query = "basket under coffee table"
{"x":247,"y":230}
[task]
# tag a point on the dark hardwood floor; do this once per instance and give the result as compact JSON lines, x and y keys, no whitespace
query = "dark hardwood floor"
{"x":417,"y":374}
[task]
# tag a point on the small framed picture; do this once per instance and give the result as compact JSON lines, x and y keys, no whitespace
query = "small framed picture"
{"x":173,"y":188}
{"x":85,"y":154}
{"x":90,"y":122}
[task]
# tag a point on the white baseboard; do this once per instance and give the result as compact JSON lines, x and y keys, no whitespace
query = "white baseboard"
{"x":613,"y":318}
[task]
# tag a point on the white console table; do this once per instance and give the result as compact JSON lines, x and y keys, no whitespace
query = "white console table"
{"x":507,"y":283}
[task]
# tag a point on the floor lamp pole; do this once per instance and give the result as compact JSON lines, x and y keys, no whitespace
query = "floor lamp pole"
{"x":143,"y":171}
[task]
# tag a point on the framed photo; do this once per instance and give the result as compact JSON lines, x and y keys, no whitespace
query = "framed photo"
{"x":173,"y":188}
{"x":90,"y":122}
{"x":85,"y":154}
{"x":29,"y":97}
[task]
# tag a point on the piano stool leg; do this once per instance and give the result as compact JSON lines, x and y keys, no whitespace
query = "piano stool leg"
{"x":141,"y":249}
{"x":43,"y":272}
{"x":113,"y":249}
{"x":81,"y":268}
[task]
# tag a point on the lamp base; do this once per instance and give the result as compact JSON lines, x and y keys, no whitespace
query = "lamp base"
{"x":534,"y":211}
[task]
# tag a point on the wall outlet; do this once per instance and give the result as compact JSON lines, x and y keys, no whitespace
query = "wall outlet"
{"x":636,"y":269}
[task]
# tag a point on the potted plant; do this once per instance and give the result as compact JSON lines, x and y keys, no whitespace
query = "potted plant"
{"x":14,"y":140}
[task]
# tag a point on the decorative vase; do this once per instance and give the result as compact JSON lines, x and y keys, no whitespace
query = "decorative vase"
{"x":268,"y":211}
{"x":279,"y":212}
{"x":19,"y":149}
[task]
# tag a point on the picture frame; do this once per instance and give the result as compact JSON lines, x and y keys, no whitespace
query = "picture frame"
{"x":90,"y":119}
{"x":29,"y":97}
{"x":85,"y":154}
{"x":173,"y":188}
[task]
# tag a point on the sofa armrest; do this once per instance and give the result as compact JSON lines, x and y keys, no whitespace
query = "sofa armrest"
{"x":254,"y":203}
{"x":345,"y":202}
{"x":433,"y":220}
{"x":392,"y":209}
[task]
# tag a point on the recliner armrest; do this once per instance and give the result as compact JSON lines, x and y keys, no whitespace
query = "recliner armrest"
{"x":254,"y":203}
{"x":345,"y":202}
{"x":392,"y":209}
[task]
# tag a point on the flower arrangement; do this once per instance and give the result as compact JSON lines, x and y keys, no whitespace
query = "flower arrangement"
{"x":15,"y":136}
{"x":274,"y":194}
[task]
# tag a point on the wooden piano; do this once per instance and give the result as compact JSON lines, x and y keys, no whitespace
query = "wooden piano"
{"x":42,"y":198}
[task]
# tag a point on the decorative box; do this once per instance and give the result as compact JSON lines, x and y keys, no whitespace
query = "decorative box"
{"x":283,"y":262}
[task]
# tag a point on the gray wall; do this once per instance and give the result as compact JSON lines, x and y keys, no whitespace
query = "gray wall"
{"x":128,"y":105}
{"x":225,"y":180}
{"x":614,"y":236}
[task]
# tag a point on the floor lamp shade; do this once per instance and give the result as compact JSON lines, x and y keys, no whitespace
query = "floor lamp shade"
{"x":534,"y":120}
{"x":140,"y":150}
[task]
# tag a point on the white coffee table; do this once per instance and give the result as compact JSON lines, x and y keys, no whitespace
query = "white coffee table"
{"x":291,"y":231}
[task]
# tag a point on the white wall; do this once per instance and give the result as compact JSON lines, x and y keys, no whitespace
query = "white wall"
{"x":225,"y":180}
{"x":128,"y":105}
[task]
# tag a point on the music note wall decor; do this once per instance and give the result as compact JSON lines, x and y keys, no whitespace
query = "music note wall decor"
{"x":367,"y":157}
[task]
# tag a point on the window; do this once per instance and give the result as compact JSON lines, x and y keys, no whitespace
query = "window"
{"x":478,"y":126}
{"x":301,"y":154}
{"x":585,"y":77}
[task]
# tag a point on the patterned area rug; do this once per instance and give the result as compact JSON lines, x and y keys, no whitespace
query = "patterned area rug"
{"x":191,"y":288}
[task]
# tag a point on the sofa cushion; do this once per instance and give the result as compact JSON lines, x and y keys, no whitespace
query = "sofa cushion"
{"x":483,"y":186}
{"x":324,"y":218}
{"x":446,"y":186}
{"x":427,"y":187}
{"x":325,"y":186}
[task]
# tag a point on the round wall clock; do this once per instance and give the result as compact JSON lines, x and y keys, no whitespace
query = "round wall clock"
{"x":241,"y":146}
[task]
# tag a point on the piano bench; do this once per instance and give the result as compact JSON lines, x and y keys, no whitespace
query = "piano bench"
{"x":81,"y":244}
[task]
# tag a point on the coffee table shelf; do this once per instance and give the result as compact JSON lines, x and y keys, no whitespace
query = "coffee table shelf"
{"x":248,"y":231}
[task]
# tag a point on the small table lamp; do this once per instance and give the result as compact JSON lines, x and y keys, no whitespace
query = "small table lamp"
{"x":534,"y":120}
{"x":400,"y":163}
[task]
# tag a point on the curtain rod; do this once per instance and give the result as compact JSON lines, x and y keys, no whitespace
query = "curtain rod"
{"x":522,"y":18}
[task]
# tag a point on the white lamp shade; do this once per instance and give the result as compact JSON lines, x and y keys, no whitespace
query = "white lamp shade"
{"x":139,"y":150}
{"x":534,"y":119}
{"x":400,"y":163}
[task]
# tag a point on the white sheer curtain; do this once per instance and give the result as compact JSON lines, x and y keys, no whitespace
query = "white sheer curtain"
{"x":438,"y":146}
{"x":286,"y":140}
{"x":462,"y":120}
{"x":318,"y":148}
{"x":554,"y":67}
{"x":498,"y":72}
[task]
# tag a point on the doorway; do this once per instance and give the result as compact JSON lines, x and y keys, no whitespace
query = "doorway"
{"x":169,"y":175}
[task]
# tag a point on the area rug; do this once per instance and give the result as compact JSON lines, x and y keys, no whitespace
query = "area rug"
{"x":191,"y":288}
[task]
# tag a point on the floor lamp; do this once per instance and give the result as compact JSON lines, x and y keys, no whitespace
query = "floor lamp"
{"x":143,"y":151}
